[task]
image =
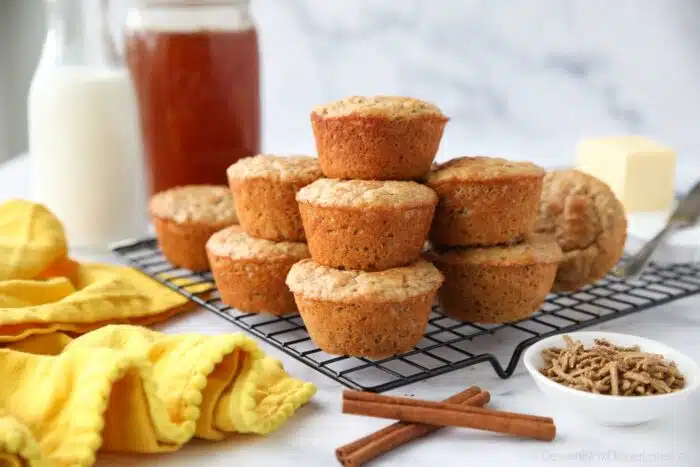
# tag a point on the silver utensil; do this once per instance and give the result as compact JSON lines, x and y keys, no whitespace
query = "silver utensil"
{"x":685,"y":215}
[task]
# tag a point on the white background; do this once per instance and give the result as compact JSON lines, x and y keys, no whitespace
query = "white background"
{"x":522,"y":78}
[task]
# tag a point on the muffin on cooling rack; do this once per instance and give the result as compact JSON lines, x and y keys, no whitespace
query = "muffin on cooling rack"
{"x":264,"y":188}
{"x":588,"y":221}
{"x":185,"y":217}
{"x":497,"y":284}
{"x":365,"y":314}
{"x":364,"y":224}
{"x":377,"y":138}
{"x":484,"y":201}
{"x":250,"y":272}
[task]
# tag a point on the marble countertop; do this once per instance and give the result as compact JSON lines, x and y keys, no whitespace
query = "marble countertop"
{"x":317,"y":429}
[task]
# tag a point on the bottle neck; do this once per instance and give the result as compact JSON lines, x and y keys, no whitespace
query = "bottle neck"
{"x":78,"y":34}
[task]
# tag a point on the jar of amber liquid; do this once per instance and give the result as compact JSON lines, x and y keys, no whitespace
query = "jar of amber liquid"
{"x":195,"y":69}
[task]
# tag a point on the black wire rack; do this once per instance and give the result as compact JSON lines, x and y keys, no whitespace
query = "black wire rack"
{"x":448,"y":345}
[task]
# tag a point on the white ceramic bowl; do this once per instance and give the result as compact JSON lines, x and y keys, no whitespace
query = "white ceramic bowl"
{"x":613,"y":410}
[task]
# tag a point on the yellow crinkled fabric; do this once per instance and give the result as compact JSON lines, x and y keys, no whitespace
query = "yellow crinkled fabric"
{"x":119,"y":386}
{"x":31,"y":239}
{"x":100,"y":294}
{"x":129,"y":389}
{"x":43,"y":291}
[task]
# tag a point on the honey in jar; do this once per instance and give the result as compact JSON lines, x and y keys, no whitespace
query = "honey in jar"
{"x":195,"y":69}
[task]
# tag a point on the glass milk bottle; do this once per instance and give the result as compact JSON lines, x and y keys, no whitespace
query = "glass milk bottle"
{"x":83,"y":130}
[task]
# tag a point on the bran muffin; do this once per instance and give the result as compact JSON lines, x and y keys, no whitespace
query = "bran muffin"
{"x":250,"y":272}
{"x":365,"y":314}
{"x":364,"y":224}
{"x":497,"y":284}
{"x":484,"y":201}
{"x":185,"y":217}
{"x":377,"y":138}
{"x":588,"y":222}
{"x":264,"y":188}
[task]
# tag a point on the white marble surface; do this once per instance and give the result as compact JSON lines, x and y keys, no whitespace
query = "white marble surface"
{"x":525,"y":79}
{"x":317,"y":429}
{"x":521,"y":78}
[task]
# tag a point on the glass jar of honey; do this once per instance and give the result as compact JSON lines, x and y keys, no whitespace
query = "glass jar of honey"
{"x":195,"y":69}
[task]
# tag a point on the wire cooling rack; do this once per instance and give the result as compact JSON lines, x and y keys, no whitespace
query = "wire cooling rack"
{"x":448,"y":345}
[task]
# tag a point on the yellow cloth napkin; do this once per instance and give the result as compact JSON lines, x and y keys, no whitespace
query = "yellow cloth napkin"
{"x":129,"y":389}
{"x":31,"y":239}
{"x":101,"y":294}
{"x":42,"y":291}
{"x":117,"y":387}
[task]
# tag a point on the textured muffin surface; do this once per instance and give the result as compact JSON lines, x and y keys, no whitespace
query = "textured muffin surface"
{"x":293,"y":167}
{"x":588,"y":222}
{"x":250,"y":272}
{"x":499,"y":284}
{"x":385,"y":106}
{"x":185,"y":217}
{"x":315,"y":281}
{"x":481,"y":168}
{"x":366,"y":225}
{"x":211,"y":204}
{"x":377,"y":138}
{"x":366,"y":193}
{"x":234,"y":243}
{"x":265,"y":189}
{"x":536,"y":249}
{"x":484,"y":201}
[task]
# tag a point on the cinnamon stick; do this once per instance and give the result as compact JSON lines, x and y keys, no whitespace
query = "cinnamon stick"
{"x":409,"y":402}
{"x":367,"y":448}
{"x":442,"y":414}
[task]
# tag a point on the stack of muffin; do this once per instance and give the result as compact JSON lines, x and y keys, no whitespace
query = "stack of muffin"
{"x":185,"y":217}
{"x":250,"y":261}
{"x":340,"y":238}
{"x":197,"y":227}
{"x":366,"y":291}
{"x":496,"y":268}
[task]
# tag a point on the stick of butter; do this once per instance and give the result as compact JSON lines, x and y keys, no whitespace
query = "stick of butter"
{"x":639,"y":170}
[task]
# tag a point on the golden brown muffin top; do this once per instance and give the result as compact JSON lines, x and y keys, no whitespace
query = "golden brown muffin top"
{"x":384,"y":106}
{"x":366,"y":193}
{"x":538,"y":249}
{"x":313,"y":280}
{"x":207,"y":204}
{"x":482,"y":168}
{"x":588,"y":222}
{"x":288,"y":168}
{"x":234,"y":243}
